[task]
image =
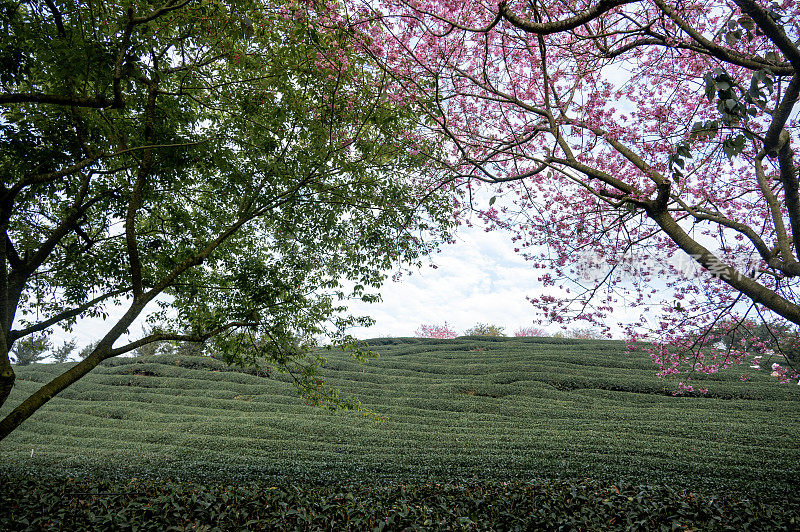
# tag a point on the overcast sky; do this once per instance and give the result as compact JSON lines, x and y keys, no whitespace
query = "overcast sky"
{"x":477,"y":279}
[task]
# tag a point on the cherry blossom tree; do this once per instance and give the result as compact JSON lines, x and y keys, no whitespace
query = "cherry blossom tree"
{"x":643,"y":152}
{"x":432,"y":330}
{"x":530,"y":331}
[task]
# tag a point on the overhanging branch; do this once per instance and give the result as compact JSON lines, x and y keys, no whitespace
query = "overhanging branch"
{"x":176,"y":337}
{"x":67,"y":314}
{"x":546,"y":28}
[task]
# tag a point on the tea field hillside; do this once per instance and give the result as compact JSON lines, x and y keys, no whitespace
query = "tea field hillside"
{"x":470,"y":409}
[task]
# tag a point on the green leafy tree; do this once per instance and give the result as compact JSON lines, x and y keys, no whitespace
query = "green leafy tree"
{"x":62,"y":353}
{"x":485,"y":329}
{"x":233,"y":161}
{"x":30,"y":350}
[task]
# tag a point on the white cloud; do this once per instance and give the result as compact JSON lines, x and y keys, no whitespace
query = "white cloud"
{"x":478,"y":279}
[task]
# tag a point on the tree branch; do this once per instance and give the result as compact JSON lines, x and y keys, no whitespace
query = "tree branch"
{"x":546,"y":28}
{"x":14,"y":260}
{"x":99,"y":102}
{"x":44,"y":178}
{"x":38,"y":258}
{"x":172,"y":5}
{"x":59,"y":20}
{"x":67,"y":314}
{"x":755,"y":239}
{"x":773,"y":32}
{"x":166,"y":337}
{"x":136,"y":196}
{"x":749,"y":287}
{"x":720,"y":52}
{"x":772,"y":140}
{"x":485,"y":29}
{"x":790,"y":189}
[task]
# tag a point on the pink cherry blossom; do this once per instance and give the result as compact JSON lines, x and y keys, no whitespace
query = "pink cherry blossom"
{"x":643,"y":151}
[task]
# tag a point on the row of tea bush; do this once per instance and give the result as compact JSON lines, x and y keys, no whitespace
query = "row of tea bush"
{"x":37,"y":504}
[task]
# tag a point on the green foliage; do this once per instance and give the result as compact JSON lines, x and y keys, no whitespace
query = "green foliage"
{"x":62,"y":353}
{"x":35,"y":504}
{"x":30,"y":350}
{"x":87,"y":350}
{"x":485,"y":329}
{"x":235,"y":162}
{"x":487,"y":409}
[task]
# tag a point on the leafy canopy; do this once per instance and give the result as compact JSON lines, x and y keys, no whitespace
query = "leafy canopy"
{"x":233,"y":163}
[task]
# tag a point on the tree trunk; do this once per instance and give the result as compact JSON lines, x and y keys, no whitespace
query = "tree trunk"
{"x":50,"y":390}
{"x":55,"y":386}
{"x":7,"y":378}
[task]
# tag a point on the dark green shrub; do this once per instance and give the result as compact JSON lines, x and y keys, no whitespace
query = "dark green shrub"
{"x":29,"y":504}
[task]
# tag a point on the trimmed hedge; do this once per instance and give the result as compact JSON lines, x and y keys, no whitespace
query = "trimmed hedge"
{"x":545,"y":505}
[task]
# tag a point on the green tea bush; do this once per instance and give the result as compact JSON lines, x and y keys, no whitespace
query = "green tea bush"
{"x":36,"y":504}
{"x":489,"y":408}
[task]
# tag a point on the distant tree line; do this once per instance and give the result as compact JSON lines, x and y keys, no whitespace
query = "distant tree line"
{"x":489,"y":329}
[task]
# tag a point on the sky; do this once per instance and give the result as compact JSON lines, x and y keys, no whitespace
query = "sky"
{"x":479,"y":279}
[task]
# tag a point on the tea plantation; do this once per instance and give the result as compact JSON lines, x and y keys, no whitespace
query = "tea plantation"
{"x":580,"y":423}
